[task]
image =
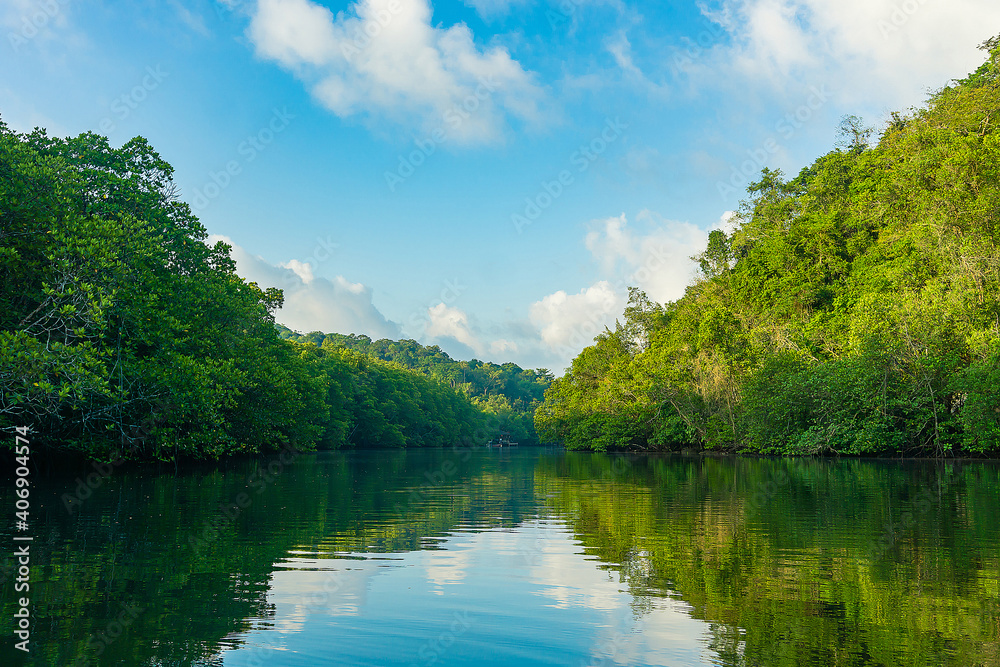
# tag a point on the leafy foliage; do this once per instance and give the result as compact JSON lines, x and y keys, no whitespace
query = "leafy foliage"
{"x":506,"y":393}
{"x":125,"y":335}
{"x":855,"y":308}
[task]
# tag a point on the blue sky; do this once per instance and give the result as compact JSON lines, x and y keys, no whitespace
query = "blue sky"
{"x":486,"y":175}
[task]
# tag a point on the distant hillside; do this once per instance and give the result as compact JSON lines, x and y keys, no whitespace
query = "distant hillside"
{"x":855,"y":308}
{"x":507,"y":391}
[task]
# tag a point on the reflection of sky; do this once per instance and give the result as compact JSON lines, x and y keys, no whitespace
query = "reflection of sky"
{"x":525,"y":596}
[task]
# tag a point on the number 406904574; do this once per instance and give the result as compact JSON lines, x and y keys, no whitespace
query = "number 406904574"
{"x":22,"y":451}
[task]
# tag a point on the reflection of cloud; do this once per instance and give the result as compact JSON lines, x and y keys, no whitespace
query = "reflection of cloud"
{"x":666,"y":635}
{"x":568,"y":580}
{"x":446,"y":568}
{"x":303,"y":591}
{"x":537,"y":572}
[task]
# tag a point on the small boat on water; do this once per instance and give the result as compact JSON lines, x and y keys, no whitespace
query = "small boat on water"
{"x":503,"y":441}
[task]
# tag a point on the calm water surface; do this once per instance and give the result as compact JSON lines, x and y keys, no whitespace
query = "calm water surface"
{"x":517,"y":557}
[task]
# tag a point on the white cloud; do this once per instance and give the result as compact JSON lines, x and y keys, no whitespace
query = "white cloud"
{"x":311,"y":303}
{"x":658,"y":262}
{"x":882,"y":50}
{"x":382,"y":59}
{"x":570,"y":321}
{"x":448,"y":322}
{"x":302,"y":269}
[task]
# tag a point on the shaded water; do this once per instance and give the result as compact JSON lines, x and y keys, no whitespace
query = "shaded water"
{"x":517,"y":557}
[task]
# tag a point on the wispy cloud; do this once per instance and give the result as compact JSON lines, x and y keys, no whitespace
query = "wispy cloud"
{"x":190,"y":19}
{"x":491,"y":9}
{"x":621,"y":50}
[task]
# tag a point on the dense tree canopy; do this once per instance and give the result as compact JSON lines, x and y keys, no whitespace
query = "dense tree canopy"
{"x":120,"y":320}
{"x":505,"y":392}
{"x":124,"y":334}
{"x":854,"y":309}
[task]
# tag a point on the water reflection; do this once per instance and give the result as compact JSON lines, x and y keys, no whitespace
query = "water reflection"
{"x":519,"y":557}
{"x":503,"y":596}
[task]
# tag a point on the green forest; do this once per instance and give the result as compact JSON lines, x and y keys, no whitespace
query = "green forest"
{"x":125,"y":336}
{"x":853,"y":309}
{"x":506,"y":392}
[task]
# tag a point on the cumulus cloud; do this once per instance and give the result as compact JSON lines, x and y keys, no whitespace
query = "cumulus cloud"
{"x":570,"y":321}
{"x":382,"y":59}
{"x":656,"y":257}
{"x":885,"y":50}
{"x":446,"y":322}
{"x":311,"y":303}
{"x":657,"y":261}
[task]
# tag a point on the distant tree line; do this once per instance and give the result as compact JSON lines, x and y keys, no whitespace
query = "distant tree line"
{"x":506,"y":392}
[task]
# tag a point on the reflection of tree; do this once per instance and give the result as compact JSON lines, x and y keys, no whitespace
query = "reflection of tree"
{"x":792,"y":578}
{"x":129,"y":544}
{"x":786,"y":576}
{"x":728,"y":644}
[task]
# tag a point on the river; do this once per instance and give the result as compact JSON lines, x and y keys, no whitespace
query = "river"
{"x":517,"y":556}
